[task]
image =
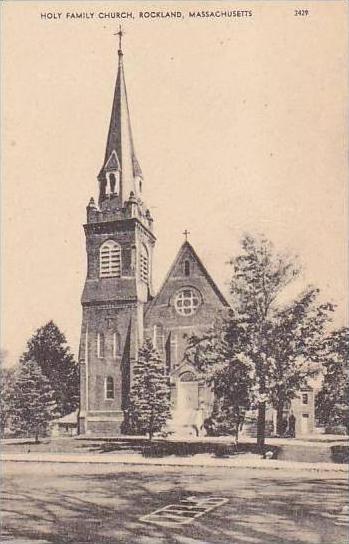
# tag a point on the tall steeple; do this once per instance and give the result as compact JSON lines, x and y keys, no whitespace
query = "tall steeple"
{"x":120,"y":174}
{"x":119,"y":246}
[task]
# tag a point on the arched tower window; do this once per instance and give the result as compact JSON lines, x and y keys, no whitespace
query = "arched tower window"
{"x":109,"y":387}
{"x":144,"y":264}
{"x":113,"y":185}
{"x":112,"y":182}
{"x":186,"y":268}
{"x":110,"y":260}
{"x":100,"y":345}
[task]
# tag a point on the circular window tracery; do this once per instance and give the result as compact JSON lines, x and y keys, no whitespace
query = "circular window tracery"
{"x":187,"y":301}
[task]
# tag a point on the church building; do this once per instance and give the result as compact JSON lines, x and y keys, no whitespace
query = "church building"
{"x":119,"y":307}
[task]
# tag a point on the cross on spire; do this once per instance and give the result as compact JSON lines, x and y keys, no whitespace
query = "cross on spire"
{"x":120,"y":159}
{"x":186,"y":232}
{"x":120,"y":33}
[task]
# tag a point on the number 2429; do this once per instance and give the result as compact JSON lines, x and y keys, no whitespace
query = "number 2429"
{"x":301,"y":12}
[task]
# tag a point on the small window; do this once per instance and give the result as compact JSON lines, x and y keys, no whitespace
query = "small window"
{"x":109,"y":388}
{"x":158,"y":337}
{"x":305,"y":398}
{"x":144,"y":264}
{"x":112,"y":181}
{"x":174,"y":349}
{"x":116,"y":344}
{"x":186,"y":268}
{"x":110,"y":260}
{"x":100,"y":345}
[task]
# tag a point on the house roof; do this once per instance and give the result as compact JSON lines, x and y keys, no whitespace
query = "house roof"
{"x":69,"y":418}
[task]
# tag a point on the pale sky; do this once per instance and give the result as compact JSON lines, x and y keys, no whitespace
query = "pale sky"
{"x":240,"y":124}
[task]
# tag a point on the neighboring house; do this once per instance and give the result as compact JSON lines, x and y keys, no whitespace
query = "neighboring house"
{"x":303,"y":409}
{"x":66,"y":425}
{"x":119,"y":308}
{"x":298,"y":416}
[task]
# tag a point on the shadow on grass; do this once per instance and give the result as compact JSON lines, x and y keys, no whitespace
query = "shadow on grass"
{"x":106,"y":508}
{"x":110,"y":447}
{"x":183,"y":448}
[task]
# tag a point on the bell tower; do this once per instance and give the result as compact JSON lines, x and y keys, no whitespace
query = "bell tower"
{"x":119,"y":245}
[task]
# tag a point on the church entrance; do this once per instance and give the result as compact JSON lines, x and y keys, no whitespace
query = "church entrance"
{"x":187,"y":418}
{"x":187,"y":393}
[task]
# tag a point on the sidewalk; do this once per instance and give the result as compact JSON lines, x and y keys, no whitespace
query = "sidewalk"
{"x":250,"y":461}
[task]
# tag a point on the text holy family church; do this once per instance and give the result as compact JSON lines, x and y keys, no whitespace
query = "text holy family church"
{"x":119,"y":307}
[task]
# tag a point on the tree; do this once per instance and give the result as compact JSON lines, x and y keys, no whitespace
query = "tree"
{"x":262,"y":352}
{"x":296,"y":348}
{"x":6,"y":386}
{"x":48,"y":347}
{"x":217,"y":355}
{"x":149,"y":401}
{"x":260,"y":274}
{"x":332,"y":400}
{"x":32,"y":401}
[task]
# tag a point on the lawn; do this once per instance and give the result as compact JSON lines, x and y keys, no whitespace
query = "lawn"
{"x":79,"y":503}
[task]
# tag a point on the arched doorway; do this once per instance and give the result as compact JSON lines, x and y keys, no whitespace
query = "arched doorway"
{"x":187,"y":392}
{"x":187,"y":417}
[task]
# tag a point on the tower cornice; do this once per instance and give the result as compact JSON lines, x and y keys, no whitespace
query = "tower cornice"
{"x":118,"y":225}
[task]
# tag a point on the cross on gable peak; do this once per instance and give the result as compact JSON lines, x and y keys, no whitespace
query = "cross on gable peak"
{"x":186,"y":232}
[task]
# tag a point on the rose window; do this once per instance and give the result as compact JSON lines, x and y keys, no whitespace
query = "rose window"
{"x":187,"y":301}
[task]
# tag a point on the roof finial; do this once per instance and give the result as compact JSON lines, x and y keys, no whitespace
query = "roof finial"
{"x":120,"y":33}
{"x":186,"y":232}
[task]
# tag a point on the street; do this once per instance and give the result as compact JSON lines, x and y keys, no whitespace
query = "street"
{"x":80,"y":503}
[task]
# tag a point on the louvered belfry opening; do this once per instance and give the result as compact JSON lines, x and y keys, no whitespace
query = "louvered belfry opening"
{"x":144,"y":264}
{"x":110,"y":260}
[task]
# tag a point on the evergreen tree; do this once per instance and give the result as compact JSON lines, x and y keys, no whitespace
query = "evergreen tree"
{"x":6,"y":386}
{"x":48,"y":347}
{"x":32,"y":401}
{"x":332,"y":401}
{"x":149,"y":402}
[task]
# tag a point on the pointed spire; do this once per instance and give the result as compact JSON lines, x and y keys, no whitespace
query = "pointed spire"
{"x":120,"y":172}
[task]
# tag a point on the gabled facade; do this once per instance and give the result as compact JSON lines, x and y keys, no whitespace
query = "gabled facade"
{"x":188,"y":302}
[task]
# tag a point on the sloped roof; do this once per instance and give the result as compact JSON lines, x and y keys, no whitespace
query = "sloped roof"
{"x":108,"y":289}
{"x":186,"y":246}
{"x":69,"y":418}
